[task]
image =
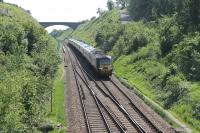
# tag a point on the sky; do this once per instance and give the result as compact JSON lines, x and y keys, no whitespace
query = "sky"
{"x":61,"y":10}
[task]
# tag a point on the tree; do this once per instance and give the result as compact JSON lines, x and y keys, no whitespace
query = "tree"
{"x":148,"y":9}
{"x":1,"y":0}
{"x":196,"y":111}
{"x":28,"y":62}
{"x":194,"y":12}
{"x":100,"y":11}
{"x":176,"y":88}
{"x":186,"y":55}
{"x":140,"y":9}
{"x":123,"y":3}
{"x":188,"y":14}
{"x":169,"y":34}
{"x":110,"y":4}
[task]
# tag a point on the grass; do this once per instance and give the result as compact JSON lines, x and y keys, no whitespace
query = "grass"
{"x":66,"y":34}
{"x":145,"y":75}
{"x":141,"y":87}
{"x":57,"y":115}
{"x":128,"y":75}
{"x":108,"y":23}
{"x":186,"y":109}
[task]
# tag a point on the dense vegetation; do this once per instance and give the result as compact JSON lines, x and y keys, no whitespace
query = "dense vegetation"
{"x":158,"y":52}
{"x":62,"y":35}
{"x":28,"y":62}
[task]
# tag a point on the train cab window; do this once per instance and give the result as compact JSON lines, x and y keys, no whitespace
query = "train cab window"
{"x":105,"y":61}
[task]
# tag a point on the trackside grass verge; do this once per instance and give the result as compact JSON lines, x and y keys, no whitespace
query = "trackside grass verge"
{"x":148,"y":101}
{"x":141,"y":89}
{"x":57,"y":116}
{"x":136,"y":81}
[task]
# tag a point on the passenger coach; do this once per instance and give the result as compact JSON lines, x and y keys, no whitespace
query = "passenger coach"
{"x":102,"y":63}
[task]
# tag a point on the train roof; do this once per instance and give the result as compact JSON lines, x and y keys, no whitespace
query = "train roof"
{"x":98,"y":53}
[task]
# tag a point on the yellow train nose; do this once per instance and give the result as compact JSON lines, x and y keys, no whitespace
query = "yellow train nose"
{"x":105,"y":71}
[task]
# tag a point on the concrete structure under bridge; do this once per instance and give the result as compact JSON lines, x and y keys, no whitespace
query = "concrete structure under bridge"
{"x":72,"y":25}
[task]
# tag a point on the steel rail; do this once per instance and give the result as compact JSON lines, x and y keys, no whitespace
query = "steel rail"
{"x":95,"y":98}
{"x":135,"y":107}
{"x":113,"y":117}
{"x":135,"y":124}
{"x":115,"y":120}
{"x":81,"y":100}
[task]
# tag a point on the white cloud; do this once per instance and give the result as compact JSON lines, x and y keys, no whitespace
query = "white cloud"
{"x":61,"y":10}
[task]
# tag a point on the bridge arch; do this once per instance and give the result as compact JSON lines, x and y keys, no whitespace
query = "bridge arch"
{"x":72,"y":25}
{"x":57,"y":27}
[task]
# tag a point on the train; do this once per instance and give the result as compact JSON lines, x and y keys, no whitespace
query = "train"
{"x":98,"y":60}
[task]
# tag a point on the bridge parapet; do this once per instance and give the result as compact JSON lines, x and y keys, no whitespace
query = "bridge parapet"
{"x":72,"y":25}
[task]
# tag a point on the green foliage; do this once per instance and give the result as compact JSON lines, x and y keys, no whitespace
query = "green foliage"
{"x":56,"y":33}
{"x":110,"y":4}
{"x":133,"y":37}
{"x":57,"y":115}
{"x":160,"y":57}
{"x":100,"y":38}
{"x":186,"y":56}
{"x":101,"y":32}
{"x":10,"y":107}
{"x":170,"y":34}
{"x":188,"y":11}
{"x":196,"y":112}
{"x":188,"y":15}
{"x":150,"y":9}
{"x":140,"y":9}
{"x":123,"y":3}
{"x":100,"y":11}
{"x":176,"y":89}
{"x":28,"y":63}
{"x":65,"y":35}
{"x":61,"y":35}
{"x":151,"y":52}
{"x":194,"y":13}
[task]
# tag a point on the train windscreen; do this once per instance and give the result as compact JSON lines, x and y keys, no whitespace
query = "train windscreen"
{"x":105,"y":61}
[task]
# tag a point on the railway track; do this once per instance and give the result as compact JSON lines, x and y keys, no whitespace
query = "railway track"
{"x":93,"y":115}
{"x":97,"y":116}
{"x":106,"y":107}
{"x":129,"y":105}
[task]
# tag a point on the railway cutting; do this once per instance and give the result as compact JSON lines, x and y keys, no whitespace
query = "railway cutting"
{"x":100,"y":103}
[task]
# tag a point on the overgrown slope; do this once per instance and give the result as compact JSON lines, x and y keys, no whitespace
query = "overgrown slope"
{"x":28,"y":62}
{"x":155,"y":56}
{"x":62,"y":35}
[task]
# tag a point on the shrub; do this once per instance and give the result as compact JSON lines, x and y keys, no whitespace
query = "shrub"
{"x":151,"y":9}
{"x":175,"y":88}
{"x":134,"y":36}
{"x":151,"y":52}
{"x":28,"y":62}
{"x":196,"y":112}
{"x":186,"y":56}
{"x":138,"y":41}
{"x":100,"y":38}
{"x":101,"y":32}
{"x":169,"y":34}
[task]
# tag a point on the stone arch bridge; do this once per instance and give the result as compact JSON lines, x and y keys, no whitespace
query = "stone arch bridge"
{"x":72,"y":25}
